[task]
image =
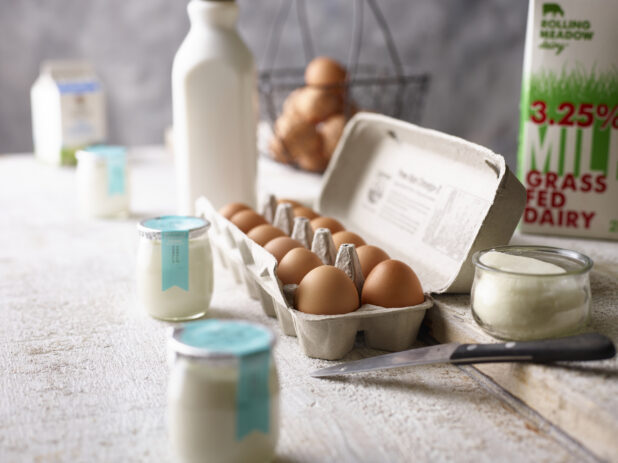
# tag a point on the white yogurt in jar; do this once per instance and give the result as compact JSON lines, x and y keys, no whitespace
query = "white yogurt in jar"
{"x":223,"y":394}
{"x":103,"y":182}
{"x":516,"y":296}
{"x":174,"y":267}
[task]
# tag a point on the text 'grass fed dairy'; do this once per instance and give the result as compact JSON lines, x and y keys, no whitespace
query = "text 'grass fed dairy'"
{"x":568,"y":141}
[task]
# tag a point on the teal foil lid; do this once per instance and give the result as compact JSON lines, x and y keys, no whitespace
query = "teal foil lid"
{"x":251,"y":345}
{"x":154,"y":227}
{"x":222,"y":338}
{"x":107,"y":150}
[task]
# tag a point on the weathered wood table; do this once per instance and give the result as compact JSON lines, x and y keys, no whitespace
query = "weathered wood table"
{"x":84,"y":372}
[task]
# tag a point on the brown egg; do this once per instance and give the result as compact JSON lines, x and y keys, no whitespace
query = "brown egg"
{"x":369,"y":257}
{"x":285,"y":123}
{"x":262,"y":234}
{"x":280,"y":246}
{"x":296,"y":264}
{"x":326,"y":290}
{"x":392,"y":283}
{"x":331,"y":130}
{"x":344,"y":237}
{"x":229,"y":210}
{"x":316,"y":105}
{"x":301,"y":139}
{"x":312,"y":162}
{"x":302,"y":211}
{"x":290,"y":104}
{"x":277,"y":151}
{"x":327,"y":222}
{"x":247,"y":219}
{"x":325,"y":71}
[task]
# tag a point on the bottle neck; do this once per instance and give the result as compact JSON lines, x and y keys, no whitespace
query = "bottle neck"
{"x":213,"y":13}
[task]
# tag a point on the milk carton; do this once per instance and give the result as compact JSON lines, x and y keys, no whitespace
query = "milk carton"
{"x":68,"y":111}
{"x":568,"y":140}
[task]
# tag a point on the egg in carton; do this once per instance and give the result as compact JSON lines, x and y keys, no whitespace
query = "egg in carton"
{"x":427,"y":198}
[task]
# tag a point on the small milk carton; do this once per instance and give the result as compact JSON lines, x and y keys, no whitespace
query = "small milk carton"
{"x":568,"y":140}
{"x":68,"y":111}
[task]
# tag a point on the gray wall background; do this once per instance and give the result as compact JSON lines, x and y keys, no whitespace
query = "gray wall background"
{"x":473,"y":50}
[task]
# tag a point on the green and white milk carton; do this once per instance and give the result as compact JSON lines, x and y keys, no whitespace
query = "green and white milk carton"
{"x":568,"y":139}
{"x":68,"y":111}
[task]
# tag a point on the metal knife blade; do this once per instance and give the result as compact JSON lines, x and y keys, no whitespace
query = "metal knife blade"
{"x":421,"y":356}
{"x":587,"y":346}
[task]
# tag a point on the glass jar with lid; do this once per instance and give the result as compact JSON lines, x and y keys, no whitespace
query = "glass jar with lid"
{"x":223,"y":392}
{"x":174,"y":267}
{"x":103,"y":181}
{"x":530,"y":292}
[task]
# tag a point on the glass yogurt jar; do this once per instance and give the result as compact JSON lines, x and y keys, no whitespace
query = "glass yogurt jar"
{"x":174,"y":267}
{"x":530,"y":292}
{"x":223,"y":392}
{"x":103,"y":181}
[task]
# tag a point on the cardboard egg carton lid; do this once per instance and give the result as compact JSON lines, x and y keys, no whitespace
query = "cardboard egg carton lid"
{"x":427,"y":198}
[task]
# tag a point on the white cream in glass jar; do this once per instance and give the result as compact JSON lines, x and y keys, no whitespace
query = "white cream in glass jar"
{"x":530,"y":292}
{"x":103,"y":181}
{"x":174,"y":267}
{"x":223,"y":392}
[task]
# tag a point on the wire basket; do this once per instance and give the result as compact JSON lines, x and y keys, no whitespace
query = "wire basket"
{"x":385,"y":89}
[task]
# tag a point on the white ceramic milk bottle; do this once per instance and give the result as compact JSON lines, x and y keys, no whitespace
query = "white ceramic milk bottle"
{"x":215,"y":115}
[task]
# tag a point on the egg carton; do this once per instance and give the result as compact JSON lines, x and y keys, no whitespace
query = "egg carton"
{"x":328,"y":337}
{"x":425,"y":197}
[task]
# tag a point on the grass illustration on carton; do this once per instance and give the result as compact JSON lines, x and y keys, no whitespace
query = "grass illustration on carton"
{"x":574,"y":86}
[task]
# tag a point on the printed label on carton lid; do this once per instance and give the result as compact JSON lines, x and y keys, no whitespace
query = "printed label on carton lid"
{"x":425,"y":197}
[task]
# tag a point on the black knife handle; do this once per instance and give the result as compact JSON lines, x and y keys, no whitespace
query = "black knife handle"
{"x":589,"y":346}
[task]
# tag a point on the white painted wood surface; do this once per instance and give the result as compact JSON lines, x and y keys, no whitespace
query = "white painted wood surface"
{"x":581,"y":398}
{"x":84,"y":372}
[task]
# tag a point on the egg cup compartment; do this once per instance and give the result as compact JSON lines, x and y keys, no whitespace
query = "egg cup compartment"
{"x":328,"y":337}
{"x":286,"y":321}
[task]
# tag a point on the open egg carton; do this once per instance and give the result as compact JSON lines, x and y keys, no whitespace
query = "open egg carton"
{"x":428,"y":199}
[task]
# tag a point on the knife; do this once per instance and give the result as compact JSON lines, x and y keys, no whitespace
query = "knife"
{"x":589,"y":346}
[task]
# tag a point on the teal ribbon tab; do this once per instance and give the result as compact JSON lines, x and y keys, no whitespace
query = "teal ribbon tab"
{"x":174,"y":247}
{"x":253,"y":395}
{"x":116,"y":161}
{"x":175,"y":259}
